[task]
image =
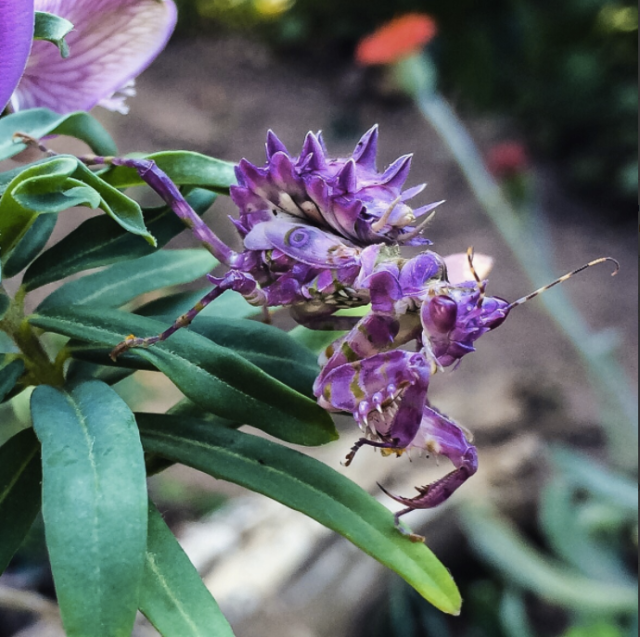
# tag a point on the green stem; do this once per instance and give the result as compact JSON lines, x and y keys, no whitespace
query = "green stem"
{"x":40,"y":367}
{"x":618,"y":402}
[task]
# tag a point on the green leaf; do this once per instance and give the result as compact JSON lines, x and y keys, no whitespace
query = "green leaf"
{"x":304,"y":484}
{"x":94,"y":504}
{"x":10,"y":372}
{"x":230,"y":305}
{"x":52,"y":28}
{"x":40,"y":122}
{"x":122,"y":282}
{"x":315,"y":340}
{"x":56,"y":184}
{"x":560,"y":519}
{"x":595,"y":628}
{"x":80,"y":371}
{"x":585,"y":472}
{"x":5,"y":302}
{"x":20,"y":477}
{"x":185,"y":168}
{"x":31,"y":244}
{"x":7,"y":346}
{"x":114,"y":203}
{"x":267,"y":347}
{"x":173,"y":597}
{"x":44,"y":187}
{"x":213,"y":377}
{"x":98,"y":242}
{"x":513,"y":615}
{"x":499,"y":544}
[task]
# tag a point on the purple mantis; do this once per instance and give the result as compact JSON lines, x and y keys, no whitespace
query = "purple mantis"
{"x":321,"y":235}
{"x":386,"y":388}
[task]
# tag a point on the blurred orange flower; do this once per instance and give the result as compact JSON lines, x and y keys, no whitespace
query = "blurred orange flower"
{"x":396,"y":39}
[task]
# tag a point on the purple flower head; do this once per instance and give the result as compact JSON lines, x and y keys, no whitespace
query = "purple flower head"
{"x":16,"y":32}
{"x":112,"y":42}
{"x":347,"y":195}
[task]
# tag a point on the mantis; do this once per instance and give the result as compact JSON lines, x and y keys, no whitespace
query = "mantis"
{"x":321,"y":235}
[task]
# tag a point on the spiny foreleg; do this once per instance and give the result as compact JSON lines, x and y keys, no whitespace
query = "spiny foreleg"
{"x":440,"y":435}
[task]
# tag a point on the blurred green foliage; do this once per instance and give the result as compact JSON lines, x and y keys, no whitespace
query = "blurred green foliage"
{"x":565,"y":71}
{"x":575,"y":578}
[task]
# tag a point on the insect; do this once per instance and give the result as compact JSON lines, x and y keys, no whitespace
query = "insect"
{"x":321,"y":235}
{"x":304,"y":223}
{"x":385,"y":388}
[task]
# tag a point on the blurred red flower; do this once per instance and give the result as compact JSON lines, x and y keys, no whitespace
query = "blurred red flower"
{"x":507,"y":159}
{"x":397,"y":39}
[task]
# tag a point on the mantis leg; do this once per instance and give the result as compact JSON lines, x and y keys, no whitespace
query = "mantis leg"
{"x":233,"y":280}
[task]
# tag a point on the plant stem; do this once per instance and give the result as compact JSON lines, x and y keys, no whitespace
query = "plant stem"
{"x":40,"y":367}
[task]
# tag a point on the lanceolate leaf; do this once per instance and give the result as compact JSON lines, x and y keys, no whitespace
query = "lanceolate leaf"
{"x":94,"y":504}
{"x":213,"y":377}
{"x":173,"y":597}
{"x":20,"y":477}
{"x":120,"y":283}
{"x":185,"y":168}
{"x":10,"y":371}
{"x":117,"y":205}
{"x":306,"y":485}
{"x":499,"y":544}
{"x":7,"y":346}
{"x":56,"y":184}
{"x":80,"y":371}
{"x":584,"y":472}
{"x":559,"y":515}
{"x":267,"y":347}
{"x":30,"y":245}
{"x":315,"y":340}
{"x":4,"y":303}
{"x":99,"y":241}
{"x":40,"y":122}
{"x":230,"y":305}
{"x":44,"y":187}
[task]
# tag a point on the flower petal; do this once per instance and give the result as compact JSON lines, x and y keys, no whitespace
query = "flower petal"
{"x":112,"y":42}
{"x":16,"y":33}
{"x":396,"y":39}
{"x":458,"y":269}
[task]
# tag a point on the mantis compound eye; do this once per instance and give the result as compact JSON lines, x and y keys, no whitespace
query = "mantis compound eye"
{"x":443,"y":312}
{"x":297,"y":237}
{"x":495,"y":310}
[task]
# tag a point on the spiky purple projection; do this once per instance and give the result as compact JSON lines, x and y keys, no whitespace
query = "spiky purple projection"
{"x":347,"y":196}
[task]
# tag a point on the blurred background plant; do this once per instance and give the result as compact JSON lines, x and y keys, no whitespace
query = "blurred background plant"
{"x":566,"y":77}
{"x":571,"y":574}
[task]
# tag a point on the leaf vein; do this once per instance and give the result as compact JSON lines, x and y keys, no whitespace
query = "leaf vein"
{"x":169,"y":591}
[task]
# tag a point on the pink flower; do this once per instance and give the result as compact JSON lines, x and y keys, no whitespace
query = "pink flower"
{"x":112,"y":42}
{"x":507,"y":159}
